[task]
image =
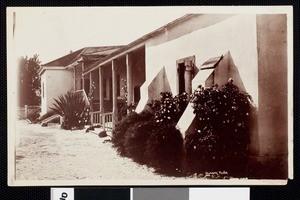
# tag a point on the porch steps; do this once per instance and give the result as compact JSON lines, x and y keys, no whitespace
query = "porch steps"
{"x":21,"y":114}
{"x":49,"y":119}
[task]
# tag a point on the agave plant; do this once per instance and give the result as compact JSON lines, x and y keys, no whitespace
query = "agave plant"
{"x":71,"y":107}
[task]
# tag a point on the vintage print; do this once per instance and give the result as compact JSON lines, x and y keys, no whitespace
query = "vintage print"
{"x":150,"y":96}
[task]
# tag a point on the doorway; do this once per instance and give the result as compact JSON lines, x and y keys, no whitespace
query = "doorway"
{"x":185,"y":74}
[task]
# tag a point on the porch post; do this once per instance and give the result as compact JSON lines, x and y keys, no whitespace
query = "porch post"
{"x":91,"y":81}
{"x":101,"y":97}
{"x":129,"y":79}
{"x":177,"y":76}
{"x":115,"y":94}
{"x":75,"y":79}
{"x":91,"y":101}
{"x":83,"y":88}
{"x":82,"y":76}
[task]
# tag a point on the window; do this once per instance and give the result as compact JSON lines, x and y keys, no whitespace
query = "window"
{"x":104,"y":88}
{"x":211,"y":63}
{"x":87,"y":86}
{"x":181,"y":79}
{"x":110,"y":88}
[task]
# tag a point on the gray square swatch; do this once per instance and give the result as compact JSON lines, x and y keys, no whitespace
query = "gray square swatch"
{"x":160,"y":194}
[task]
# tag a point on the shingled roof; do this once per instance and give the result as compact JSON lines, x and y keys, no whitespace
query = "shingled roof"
{"x":66,"y":60}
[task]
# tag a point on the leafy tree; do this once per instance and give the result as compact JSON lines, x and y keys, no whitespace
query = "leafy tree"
{"x":29,"y":81}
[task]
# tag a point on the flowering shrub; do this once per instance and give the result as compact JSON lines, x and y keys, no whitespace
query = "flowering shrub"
{"x":222,"y":135}
{"x":124,"y":108}
{"x":225,"y":118}
{"x":165,"y":145}
{"x":151,"y":137}
{"x":86,"y":116}
{"x":202,"y":150}
{"x":225,"y":110}
{"x":169,"y":109}
{"x":154,"y":105}
{"x":125,"y":89}
{"x":181,"y":102}
{"x":91,"y":93}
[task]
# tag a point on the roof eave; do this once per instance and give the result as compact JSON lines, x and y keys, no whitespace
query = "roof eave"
{"x":44,"y":68}
{"x":139,"y":42}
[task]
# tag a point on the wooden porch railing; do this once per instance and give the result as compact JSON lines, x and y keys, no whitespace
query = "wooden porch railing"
{"x":103,"y":119}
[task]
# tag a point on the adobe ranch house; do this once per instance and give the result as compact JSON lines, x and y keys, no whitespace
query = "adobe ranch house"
{"x":192,"y":50}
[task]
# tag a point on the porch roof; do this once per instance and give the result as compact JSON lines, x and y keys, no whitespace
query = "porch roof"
{"x":137,"y":43}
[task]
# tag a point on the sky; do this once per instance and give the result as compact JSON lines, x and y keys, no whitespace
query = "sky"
{"x":54,"y":32}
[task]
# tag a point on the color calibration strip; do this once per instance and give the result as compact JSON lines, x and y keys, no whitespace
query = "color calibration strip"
{"x":91,"y":193}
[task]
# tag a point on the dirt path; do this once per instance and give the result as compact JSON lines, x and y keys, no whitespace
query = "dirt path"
{"x":49,"y":153}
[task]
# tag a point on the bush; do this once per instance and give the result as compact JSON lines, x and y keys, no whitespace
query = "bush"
{"x":137,"y":135}
{"x":154,"y":105}
{"x":124,"y":109}
{"x":151,"y":137}
{"x":118,"y":134}
{"x":164,"y":150}
{"x":169,"y":109}
{"x":202,"y":152}
{"x":86,"y":116}
{"x":71,"y":107}
{"x":223,"y":132}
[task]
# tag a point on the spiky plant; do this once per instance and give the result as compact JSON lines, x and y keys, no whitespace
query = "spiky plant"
{"x":71,"y":107}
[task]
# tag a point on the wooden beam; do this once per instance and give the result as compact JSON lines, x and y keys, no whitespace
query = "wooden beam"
{"x":114,"y":91}
{"x":129,"y":79}
{"x":101,"y":96}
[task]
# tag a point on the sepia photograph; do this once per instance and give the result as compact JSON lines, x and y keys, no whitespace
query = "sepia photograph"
{"x":150,"y":95}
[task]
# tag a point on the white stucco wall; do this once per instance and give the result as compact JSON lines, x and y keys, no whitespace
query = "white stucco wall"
{"x":236,"y":34}
{"x":56,"y":82}
{"x":258,"y":47}
{"x":43,"y":93}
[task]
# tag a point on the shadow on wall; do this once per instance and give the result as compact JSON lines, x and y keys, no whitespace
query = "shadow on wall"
{"x":221,"y":71}
{"x":159,"y":84}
